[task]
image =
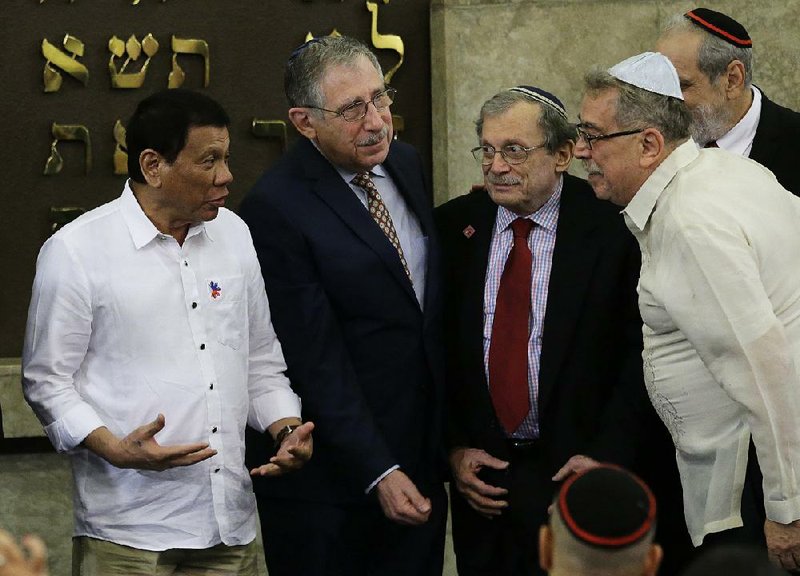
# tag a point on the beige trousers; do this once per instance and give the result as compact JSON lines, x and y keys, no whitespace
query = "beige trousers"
{"x":93,"y":557}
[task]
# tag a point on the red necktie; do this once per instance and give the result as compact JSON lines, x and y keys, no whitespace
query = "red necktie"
{"x":508,"y":351}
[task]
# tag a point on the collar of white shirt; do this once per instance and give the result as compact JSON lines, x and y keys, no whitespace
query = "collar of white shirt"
{"x":644,"y":201}
{"x":739,"y":139}
{"x":141,"y":228}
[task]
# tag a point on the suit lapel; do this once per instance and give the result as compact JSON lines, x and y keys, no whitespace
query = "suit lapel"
{"x":337,"y":194}
{"x":480,"y":223}
{"x":763,"y":142}
{"x":573,"y":261}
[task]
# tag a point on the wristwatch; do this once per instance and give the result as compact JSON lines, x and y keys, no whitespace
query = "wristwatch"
{"x":283,"y":433}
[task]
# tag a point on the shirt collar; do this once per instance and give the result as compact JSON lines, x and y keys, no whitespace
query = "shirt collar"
{"x":641,"y":207}
{"x":141,"y":228}
{"x":348,"y":176}
{"x":546,"y":216}
{"x":739,"y":139}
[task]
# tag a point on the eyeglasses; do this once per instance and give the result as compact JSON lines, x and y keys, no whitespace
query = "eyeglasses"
{"x":588,"y":138}
{"x":511,"y":153}
{"x":357,"y":110}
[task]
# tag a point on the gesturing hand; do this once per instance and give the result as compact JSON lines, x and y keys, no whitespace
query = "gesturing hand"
{"x":141,"y":451}
{"x":295,"y":450}
{"x":14,"y":562}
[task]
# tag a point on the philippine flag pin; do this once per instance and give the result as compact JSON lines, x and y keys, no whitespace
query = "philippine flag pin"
{"x":215,"y":290}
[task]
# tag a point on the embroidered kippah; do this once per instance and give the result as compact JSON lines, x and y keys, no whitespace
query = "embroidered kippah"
{"x":607,"y":507}
{"x":651,"y":71}
{"x":541,"y":96}
{"x":721,"y":26}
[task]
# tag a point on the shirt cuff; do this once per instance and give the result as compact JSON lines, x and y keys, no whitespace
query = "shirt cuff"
{"x":271,"y":407}
{"x":381,"y":477}
{"x":73,"y":427}
{"x":783,"y":512}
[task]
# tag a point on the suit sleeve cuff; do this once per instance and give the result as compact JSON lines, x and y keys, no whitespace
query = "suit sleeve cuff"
{"x":381,"y":477}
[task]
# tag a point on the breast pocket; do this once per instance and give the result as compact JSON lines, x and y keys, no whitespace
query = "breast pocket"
{"x":227,"y":309}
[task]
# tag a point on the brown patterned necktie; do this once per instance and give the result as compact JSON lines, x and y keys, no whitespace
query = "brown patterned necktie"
{"x":380,"y":214}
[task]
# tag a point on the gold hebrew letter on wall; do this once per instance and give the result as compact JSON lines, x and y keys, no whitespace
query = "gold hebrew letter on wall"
{"x":335,"y":33}
{"x":67,"y":132}
{"x":188,"y":46}
{"x":388,"y":41}
{"x":66,"y":62}
{"x":270,"y":130}
{"x":60,"y":216}
{"x":133,"y":48}
{"x":120,"y":149}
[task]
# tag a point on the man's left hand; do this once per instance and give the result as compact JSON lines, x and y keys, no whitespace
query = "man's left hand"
{"x":783,"y":544}
{"x":295,"y":450}
{"x":575,"y":465}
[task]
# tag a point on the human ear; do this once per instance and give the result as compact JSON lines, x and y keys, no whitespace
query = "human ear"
{"x":302,"y":122}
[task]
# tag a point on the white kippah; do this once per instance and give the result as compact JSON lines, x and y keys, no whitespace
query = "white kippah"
{"x":651,"y":71}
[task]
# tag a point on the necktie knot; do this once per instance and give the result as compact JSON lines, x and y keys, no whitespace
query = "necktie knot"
{"x":364,"y":180}
{"x":521,"y":228}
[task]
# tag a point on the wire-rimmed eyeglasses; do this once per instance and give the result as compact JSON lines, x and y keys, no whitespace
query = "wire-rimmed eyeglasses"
{"x":357,"y":110}
{"x":511,"y":153}
{"x":589,"y":138}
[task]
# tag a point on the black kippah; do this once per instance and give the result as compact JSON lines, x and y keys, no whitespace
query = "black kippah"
{"x":607,"y":507}
{"x":721,"y":26}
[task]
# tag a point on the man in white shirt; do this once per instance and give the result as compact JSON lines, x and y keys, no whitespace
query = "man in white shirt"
{"x":149,"y":347}
{"x":719,"y":294}
{"x":713,"y":54}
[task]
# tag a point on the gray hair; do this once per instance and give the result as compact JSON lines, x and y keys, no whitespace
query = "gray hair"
{"x":715,"y":53}
{"x":642,"y":108}
{"x":557,"y":130}
{"x":308,"y":64}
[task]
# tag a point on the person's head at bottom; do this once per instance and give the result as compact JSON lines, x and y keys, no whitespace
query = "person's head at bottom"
{"x":602,"y":523}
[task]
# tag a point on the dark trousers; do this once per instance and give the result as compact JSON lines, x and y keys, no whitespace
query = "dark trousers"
{"x":304,"y":538}
{"x":506,"y":545}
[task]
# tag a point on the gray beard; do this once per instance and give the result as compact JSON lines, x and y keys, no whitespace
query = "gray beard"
{"x":709,"y":124}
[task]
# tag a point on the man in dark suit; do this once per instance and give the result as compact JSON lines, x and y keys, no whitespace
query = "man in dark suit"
{"x":712,"y":53}
{"x":344,"y":232}
{"x":578,"y":349}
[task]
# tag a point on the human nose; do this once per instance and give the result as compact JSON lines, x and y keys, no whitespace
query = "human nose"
{"x":373,"y":119}
{"x":582,"y":149}
{"x":224,"y":175}
{"x":499,"y":163}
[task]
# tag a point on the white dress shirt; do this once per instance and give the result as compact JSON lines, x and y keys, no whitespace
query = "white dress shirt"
{"x":124,"y":324}
{"x":739,"y":139}
{"x":719,"y":294}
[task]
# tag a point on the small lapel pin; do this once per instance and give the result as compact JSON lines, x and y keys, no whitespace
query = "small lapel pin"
{"x":468,"y":231}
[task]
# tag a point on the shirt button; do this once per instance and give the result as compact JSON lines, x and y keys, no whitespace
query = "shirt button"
{"x":214,"y":430}
{"x":194,"y":305}
{"x":216,"y":470}
{"x":185,"y":263}
{"x":211,"y":386}
{"x":202,"y":346}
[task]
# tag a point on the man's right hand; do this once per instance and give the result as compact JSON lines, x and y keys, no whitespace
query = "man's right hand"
{"x":141,"y":451}
{"x":465,"y":464}
{"x":400,"y":500}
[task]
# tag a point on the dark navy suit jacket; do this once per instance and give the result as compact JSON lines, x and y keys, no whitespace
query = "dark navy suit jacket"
{"x":776,"y":141}
{"x":363,"y":356}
